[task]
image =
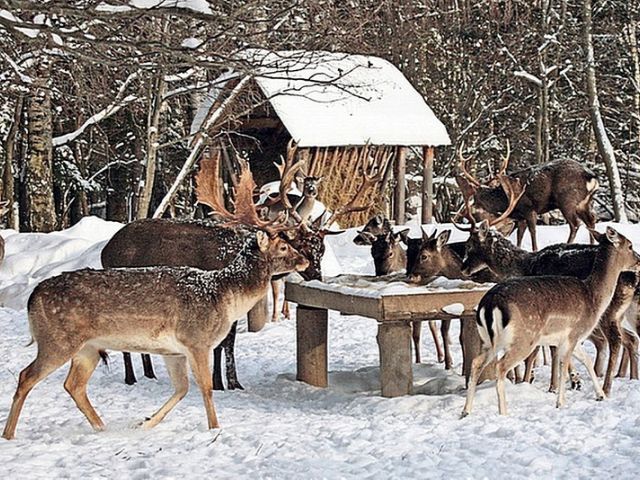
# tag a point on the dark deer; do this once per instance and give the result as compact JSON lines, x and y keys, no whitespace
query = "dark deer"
{"x":564,"y":184}
{"x":518,"y":315}
{"x":181,"y":313}
{"x":377,"y":225}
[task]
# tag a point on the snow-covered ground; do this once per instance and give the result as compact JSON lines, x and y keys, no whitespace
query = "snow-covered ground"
{"x":280,"y":428}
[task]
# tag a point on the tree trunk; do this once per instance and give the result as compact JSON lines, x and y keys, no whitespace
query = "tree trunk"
{"x":153,"y":131}
{"x":633,"y":47}
{"x":8,"y":182}
{"x":604,"y":145}
{"x":40,"y":214}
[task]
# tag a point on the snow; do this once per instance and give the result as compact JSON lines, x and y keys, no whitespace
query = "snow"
{"x":280,"y":428}
{"x":335,"y":99}
{"x":198,"y":6}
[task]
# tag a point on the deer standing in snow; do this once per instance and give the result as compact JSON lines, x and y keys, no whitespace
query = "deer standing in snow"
{"x":518,"y":315}
{"x":563,"y":184}
{"x":181,"y":313}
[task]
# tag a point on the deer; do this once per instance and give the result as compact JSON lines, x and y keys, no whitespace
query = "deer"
{"x":376,"y":225}
{"x":517,"y":315}
{"x":487,"y":248}
{"x":181,"y":313}
{"x":564,"y":184}
{"x":182,"y":242}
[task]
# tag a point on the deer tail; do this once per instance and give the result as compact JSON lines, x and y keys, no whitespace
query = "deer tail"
{"x":492,"y":319}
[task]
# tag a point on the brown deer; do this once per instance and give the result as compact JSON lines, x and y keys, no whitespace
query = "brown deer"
{"x":178,"y":312}
{"x":377,"y":225}
{"x":563,"y":184}
{"x":487,"y":248}
{"x":517,"y":315}
{"x":181,"y":313}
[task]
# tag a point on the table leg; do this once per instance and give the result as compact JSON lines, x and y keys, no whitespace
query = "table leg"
{"x":311,"y":345}
{"x":258,"y":315}
{"x":394,"y":342}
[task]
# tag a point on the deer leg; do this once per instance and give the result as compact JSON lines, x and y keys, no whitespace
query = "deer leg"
{"x":564,"y":355}
{"x":522,"y":227}
{"x":147,"y":366}
{"x":416,"y":333}
{"x":624,"y":365}
{"x":444,"y":331}
{"x":285,"y":310}
{"x":129,"y":374}
{"x":555,"y":370}
{"x":230,"y":359}
{"x":218,"y":383}
{"x":631,"y":346}
{"x":199,"y":362}
{"x":83,"y":365}
{"x":613,"y":337}
{"x":581,"y":355}
{"x":588,"y":217}
{"x":275,"y":290}
{"x":545,"y":356}
{"x":434,"y":334}
{"x":177,"y":370}
{"x":477,"y":366}
{"x":509,"y":360}
{"x":530,"y":362}
{"x":573,"y":229}
{"x":532,"y":219}
{"x":599,"y":340}
{"x":44,"y":364}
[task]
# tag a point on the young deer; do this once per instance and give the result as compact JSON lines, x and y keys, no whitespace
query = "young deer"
{"x":377,"y":225}
{"x":181,"y":313}
{"x":517,"y":315}
{"x":564,"y":184}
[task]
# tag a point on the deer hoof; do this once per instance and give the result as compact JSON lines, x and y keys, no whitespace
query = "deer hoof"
{"x":600,"y":398}
{"x":234,"y":385}
{"x":576,"y":382}
{"x":464,"y":414}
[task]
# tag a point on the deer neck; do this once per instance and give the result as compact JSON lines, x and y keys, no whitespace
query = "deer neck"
{"x":508,"y":260}
{"x":305,"y":207}
{"x":603,"y":279}
{"x":452,"y":265}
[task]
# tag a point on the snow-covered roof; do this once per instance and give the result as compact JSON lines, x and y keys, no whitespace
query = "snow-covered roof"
{"x":335,"y":99}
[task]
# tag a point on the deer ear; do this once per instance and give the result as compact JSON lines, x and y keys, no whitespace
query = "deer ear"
{"x":483,"y":230}
{"x":403,"y":235}
{"x":263,"y":240}
{"x":324,"y":233}
{"x":364,"y":238}
{"x":613,"y":236}
{"x":443,"y":238}
{"x":425,"y":235}
{"x":597,"y":236}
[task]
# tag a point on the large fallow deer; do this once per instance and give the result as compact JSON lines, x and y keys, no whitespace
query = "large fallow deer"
{"x":518,"y":315}
{"x":563,"y":184}
{"x":181,"y":313}
{"x":487,"y":248}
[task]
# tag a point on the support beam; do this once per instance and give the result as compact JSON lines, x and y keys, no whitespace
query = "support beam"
{"x":394,"y":343}
{"x":427,"y":186}
{"x":399,"y":192}
{"x":311,"y":346}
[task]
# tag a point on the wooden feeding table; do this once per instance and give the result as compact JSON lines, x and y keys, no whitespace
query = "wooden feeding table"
{"x":395,"y":305}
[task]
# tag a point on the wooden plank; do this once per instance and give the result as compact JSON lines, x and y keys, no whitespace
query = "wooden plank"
{"x":258,"y":315}
{"x":394,"y":343}
{"x":318,"y":298}
{"x":428,"y":305}
{"x":311,"y":346}
{"x":399,"y":191}
{"x":427,"y":185}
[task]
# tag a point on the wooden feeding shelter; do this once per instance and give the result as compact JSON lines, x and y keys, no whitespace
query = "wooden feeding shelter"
{"x":345,"y":116}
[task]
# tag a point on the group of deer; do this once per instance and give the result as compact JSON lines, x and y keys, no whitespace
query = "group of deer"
{"x":194,"y":279}
{"x":558,"y":296}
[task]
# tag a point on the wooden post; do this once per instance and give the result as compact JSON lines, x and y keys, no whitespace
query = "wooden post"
{"x":258,"y":315}
{"x":394,"y":343}
{"x":399,"y":192}
{"x":427,"y":185}
{"x":311,"y":346}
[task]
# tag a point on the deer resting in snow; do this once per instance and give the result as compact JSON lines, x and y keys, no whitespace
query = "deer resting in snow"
{"x":518,"y":315}
{"x":180,"y":313}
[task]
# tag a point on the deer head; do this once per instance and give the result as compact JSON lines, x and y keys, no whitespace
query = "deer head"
{"x":426,"y":256}
{"x":388,"y":255}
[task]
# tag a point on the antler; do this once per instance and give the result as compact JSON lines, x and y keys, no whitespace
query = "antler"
{"x":514,"y":191}
{"x":208,"y":192}
{"x":352,"y":206}
{"x":288,"y":170}
{"x":505,"y":160}
{"x":464,"y":210}
{"x":463,"y":167}
{"x":208,"y":187}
